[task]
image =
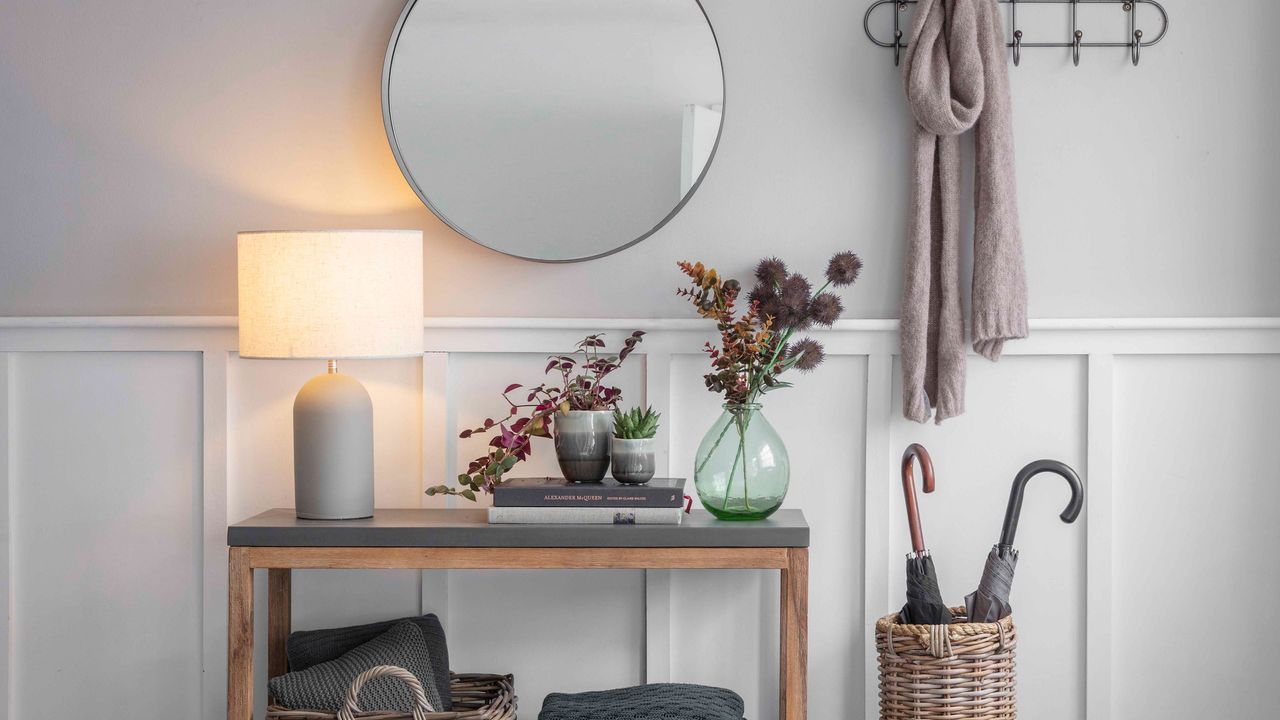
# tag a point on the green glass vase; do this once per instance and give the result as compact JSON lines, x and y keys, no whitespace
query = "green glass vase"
{"x":742,"y":471}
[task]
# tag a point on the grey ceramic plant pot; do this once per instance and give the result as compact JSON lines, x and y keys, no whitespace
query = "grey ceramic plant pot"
{"x":582,"y":443}
{"x":633,"y":460}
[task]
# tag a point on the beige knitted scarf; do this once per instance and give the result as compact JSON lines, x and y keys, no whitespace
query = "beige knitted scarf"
{"x":956,"y":79}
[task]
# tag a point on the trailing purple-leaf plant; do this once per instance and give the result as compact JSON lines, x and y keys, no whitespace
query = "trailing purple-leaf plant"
{"x":582,"y":374}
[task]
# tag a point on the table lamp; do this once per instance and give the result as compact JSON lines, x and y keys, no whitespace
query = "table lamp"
{"x":331,"y":295}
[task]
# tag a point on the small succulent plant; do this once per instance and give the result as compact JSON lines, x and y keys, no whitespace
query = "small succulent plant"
{"x":635,"y":424}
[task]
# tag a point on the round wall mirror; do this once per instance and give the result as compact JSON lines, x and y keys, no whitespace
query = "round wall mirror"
{"x":554,"y":130}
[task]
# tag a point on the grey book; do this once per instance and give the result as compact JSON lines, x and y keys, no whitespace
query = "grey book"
{"x":608,"y":493}
{"x":584,"y":516}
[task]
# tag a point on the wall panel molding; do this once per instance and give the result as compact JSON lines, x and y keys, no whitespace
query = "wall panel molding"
{"x":657,"y":585}
{"x":616,"y":323}
{"x":453,"y":342}
{"x":6,"y":474}
{"x":213,"y":442}
{"x":880,"y":462}
{"x":1099,"y":479}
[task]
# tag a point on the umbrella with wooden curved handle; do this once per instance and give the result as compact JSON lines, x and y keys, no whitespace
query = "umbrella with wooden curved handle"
{"x":913,"y":452}
{"x":924,"y":600}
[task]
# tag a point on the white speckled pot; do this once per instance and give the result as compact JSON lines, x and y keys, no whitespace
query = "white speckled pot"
{"x":633,"y":460}
{"x":582,"y":443}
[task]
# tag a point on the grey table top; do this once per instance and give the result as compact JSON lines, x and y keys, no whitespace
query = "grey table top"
{"x":470,"y":528}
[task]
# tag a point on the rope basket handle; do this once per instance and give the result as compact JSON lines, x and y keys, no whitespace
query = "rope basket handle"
{"x":420,"y":705}
{"x":938,"y":643}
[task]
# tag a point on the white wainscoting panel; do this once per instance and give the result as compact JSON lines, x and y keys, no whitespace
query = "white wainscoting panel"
{"x":260,"y":477}
{"x":557,"y":630}
{"x":477,"y":383}
{"x":1196,"y":571}
{"x":128,"y":444}
{"x":725,"y":623}
{"x":1022,"y":409}
{"x":7,"y":364}
{"x":570,"y":630}
{"x":823,"y":421}
{"x":260,"y":426}
{"x":105,"y":535}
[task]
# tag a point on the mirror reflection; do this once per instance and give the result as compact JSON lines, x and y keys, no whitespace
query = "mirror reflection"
{"x":553,"y":130}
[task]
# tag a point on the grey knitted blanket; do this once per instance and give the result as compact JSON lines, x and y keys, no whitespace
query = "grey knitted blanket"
{"x":660,"y":701}
{"x":324,"y":686}
{"x":311,"y":647}
{"x":957,"y":79}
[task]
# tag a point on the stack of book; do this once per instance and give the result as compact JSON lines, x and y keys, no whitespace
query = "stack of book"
{"x":556,"y":500}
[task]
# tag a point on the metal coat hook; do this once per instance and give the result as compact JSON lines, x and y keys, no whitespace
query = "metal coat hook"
{"x":1076,"y":34}
{"x":1017,"y":33}
{"x":1134,"y":39}
{"x":897,"y":33}
{"x":1135,"y":49}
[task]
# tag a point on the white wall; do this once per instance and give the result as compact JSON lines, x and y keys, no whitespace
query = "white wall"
{"x":138,"y":136}
{"x":127,"y":450}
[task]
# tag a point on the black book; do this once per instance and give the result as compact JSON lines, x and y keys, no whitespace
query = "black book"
{"x":558,"y":492}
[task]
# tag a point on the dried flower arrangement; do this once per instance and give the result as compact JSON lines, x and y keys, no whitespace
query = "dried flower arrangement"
{"x":757,"y":346}
{"x":581,"y":387}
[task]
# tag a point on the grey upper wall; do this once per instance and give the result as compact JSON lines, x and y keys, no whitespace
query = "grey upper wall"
{"x":137,"y":137}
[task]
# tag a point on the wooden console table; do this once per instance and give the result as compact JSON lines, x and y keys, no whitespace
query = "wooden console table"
{"x":463,"y":540}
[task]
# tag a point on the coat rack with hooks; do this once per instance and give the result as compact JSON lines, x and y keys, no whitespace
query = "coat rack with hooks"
{"x":1075,"y":41}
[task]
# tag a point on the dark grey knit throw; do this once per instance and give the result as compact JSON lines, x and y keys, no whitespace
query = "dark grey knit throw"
{"x":666,"y":701}
{"x":324,"y":686}
{"x":311,"y":647}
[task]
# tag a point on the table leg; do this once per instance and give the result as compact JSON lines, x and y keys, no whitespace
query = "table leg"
{"x":793,"y":662}
{"x":239,"y":635}
{"x":279,"y":619}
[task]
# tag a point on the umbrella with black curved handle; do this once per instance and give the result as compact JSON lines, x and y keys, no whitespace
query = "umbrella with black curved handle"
{"x":990,"y":601}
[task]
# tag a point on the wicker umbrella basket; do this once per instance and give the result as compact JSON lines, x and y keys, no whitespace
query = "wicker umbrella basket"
{"x":475,"y":697}
{"x":963,"y":671}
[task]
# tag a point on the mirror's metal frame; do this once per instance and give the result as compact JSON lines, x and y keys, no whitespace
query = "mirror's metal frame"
{"x":422,"y":195}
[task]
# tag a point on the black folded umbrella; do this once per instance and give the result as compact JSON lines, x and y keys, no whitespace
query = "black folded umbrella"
{"x":990,"y":601}
{"x":924,"y":600}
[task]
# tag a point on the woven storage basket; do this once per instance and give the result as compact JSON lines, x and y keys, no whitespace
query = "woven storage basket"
{"x":963,"y":671}
{"x":475,"y":697}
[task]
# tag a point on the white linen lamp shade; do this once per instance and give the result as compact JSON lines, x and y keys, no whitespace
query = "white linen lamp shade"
{"x":331,"y":294}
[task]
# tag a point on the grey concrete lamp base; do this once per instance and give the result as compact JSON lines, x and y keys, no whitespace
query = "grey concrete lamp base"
{"x":333,"y":448}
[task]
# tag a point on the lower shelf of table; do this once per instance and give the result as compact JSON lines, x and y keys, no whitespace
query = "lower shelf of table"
{"x":792,"y":562}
